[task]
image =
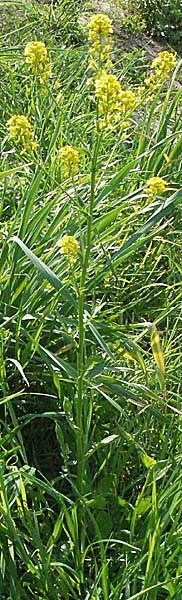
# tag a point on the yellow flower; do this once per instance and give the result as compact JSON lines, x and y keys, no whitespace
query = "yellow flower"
{"x":99,"y":27}
{"x":155,"y":186}
{"x":108,"y":64}
{"x":161,"y":67}
{"x":69,"y":157}
{"x":92,"y":64}
{"x":163,"y":63}
{"x":152,"y":83}
{"x":100,"y":39}
{"x":123,"y":127}
{"x":113,"y":101}
{"x":107,"y":90}
{"x":69,"y":246}
{"x":20,"y":130}
{"x":125,"y":124}
{"x":105,"y":52}
{"x":35,"y":53}
{"x":127,"y":100}
{"x":36,"y":56}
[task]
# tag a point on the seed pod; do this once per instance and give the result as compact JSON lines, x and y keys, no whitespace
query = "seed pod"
{"x":157,"y":350}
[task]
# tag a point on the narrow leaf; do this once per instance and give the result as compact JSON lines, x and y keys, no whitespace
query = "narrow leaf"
{"x":43,"y":269}
{"x":101,"y":341}
{"x":20,"y":369}
{"x":58,"y":362}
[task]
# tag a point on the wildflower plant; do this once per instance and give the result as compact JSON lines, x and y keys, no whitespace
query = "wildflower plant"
{"x":155,"y":186}
{"x":78,"y":318}
{"x":113,"y":102}
{"x":161,"y":67}
{"x":68,"y":156}
{"x":100,"y":39}
{"x":69,"y":246}
{"x":37,"y":58}
{"x":20,"y":130}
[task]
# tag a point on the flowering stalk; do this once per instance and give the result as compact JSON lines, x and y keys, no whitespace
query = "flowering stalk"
{"x":36,"y":57}
{"x":111,"y":104}
{"x":39,"y":69}
{"x":161,"y":67}
{"x":100,"y":39}
{"x":20,"y":130}
{"x":81,"y":298}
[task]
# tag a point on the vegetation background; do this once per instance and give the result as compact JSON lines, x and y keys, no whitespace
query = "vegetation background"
{"x":90,"y":366}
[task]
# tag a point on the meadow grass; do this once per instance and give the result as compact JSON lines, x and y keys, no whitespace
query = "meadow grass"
{"x":90,"y":328}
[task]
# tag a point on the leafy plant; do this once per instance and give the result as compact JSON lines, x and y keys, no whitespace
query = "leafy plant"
{"x":163,"y":18}
{"x":90,"y":328}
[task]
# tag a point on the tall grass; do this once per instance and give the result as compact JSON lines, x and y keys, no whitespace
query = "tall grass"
{"x":90,"y":398}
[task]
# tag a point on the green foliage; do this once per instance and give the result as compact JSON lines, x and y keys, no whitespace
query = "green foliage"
{"x":90,"y":469}
{"x":163,"y":18}
{"x":133,"y":24}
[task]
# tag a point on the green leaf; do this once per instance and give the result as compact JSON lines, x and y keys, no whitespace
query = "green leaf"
{"x":113,"y":385}
{"x":43,"y":269}
{"x":143,"y":506}
{"x":28,"y":201}
{"x":14,"y":170}
{"x":101,"y":342}
{"x":95,"y":370}
{"x":58,"y":362}
{"x":104,"y":522}
{"x":20,"y":369}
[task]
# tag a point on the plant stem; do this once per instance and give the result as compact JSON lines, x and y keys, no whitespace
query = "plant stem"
{"x":79,"y":408}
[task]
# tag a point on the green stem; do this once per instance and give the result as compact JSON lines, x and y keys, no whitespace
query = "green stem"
{"x":81,"y":299}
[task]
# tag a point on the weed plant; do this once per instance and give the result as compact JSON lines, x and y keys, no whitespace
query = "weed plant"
{"x":163,"y":19}
{"x":90,"y":327}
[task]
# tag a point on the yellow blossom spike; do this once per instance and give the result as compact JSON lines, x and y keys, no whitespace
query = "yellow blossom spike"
{"x":112,"y":100}
{"x":100,"y":26}
{"x":35,"y":53}
{"x":68,"y":245}
{"x":69,"y":157}
{"x":20,"y":130}
{"x":161,"y":67}
{"x":100,"y":30}
{"x":155,"y":186}
{"x":164,"y":62}
{"x":36,"y":56}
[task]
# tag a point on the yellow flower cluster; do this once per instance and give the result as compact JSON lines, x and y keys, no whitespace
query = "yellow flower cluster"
{"x":100,"y":38}
{"x":69,"y":157}
{"x":163,"y":63}
{"x":155,"y":186}
{"x":127,"y":100}
{"x":35,"y":53}
{"x":69,"y":246}
{"x":112,"y":100}
{"x":99,"y":27}
{"x":20,"y":130}
{"x":36,"y":56}
{"x":161,"y":67}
